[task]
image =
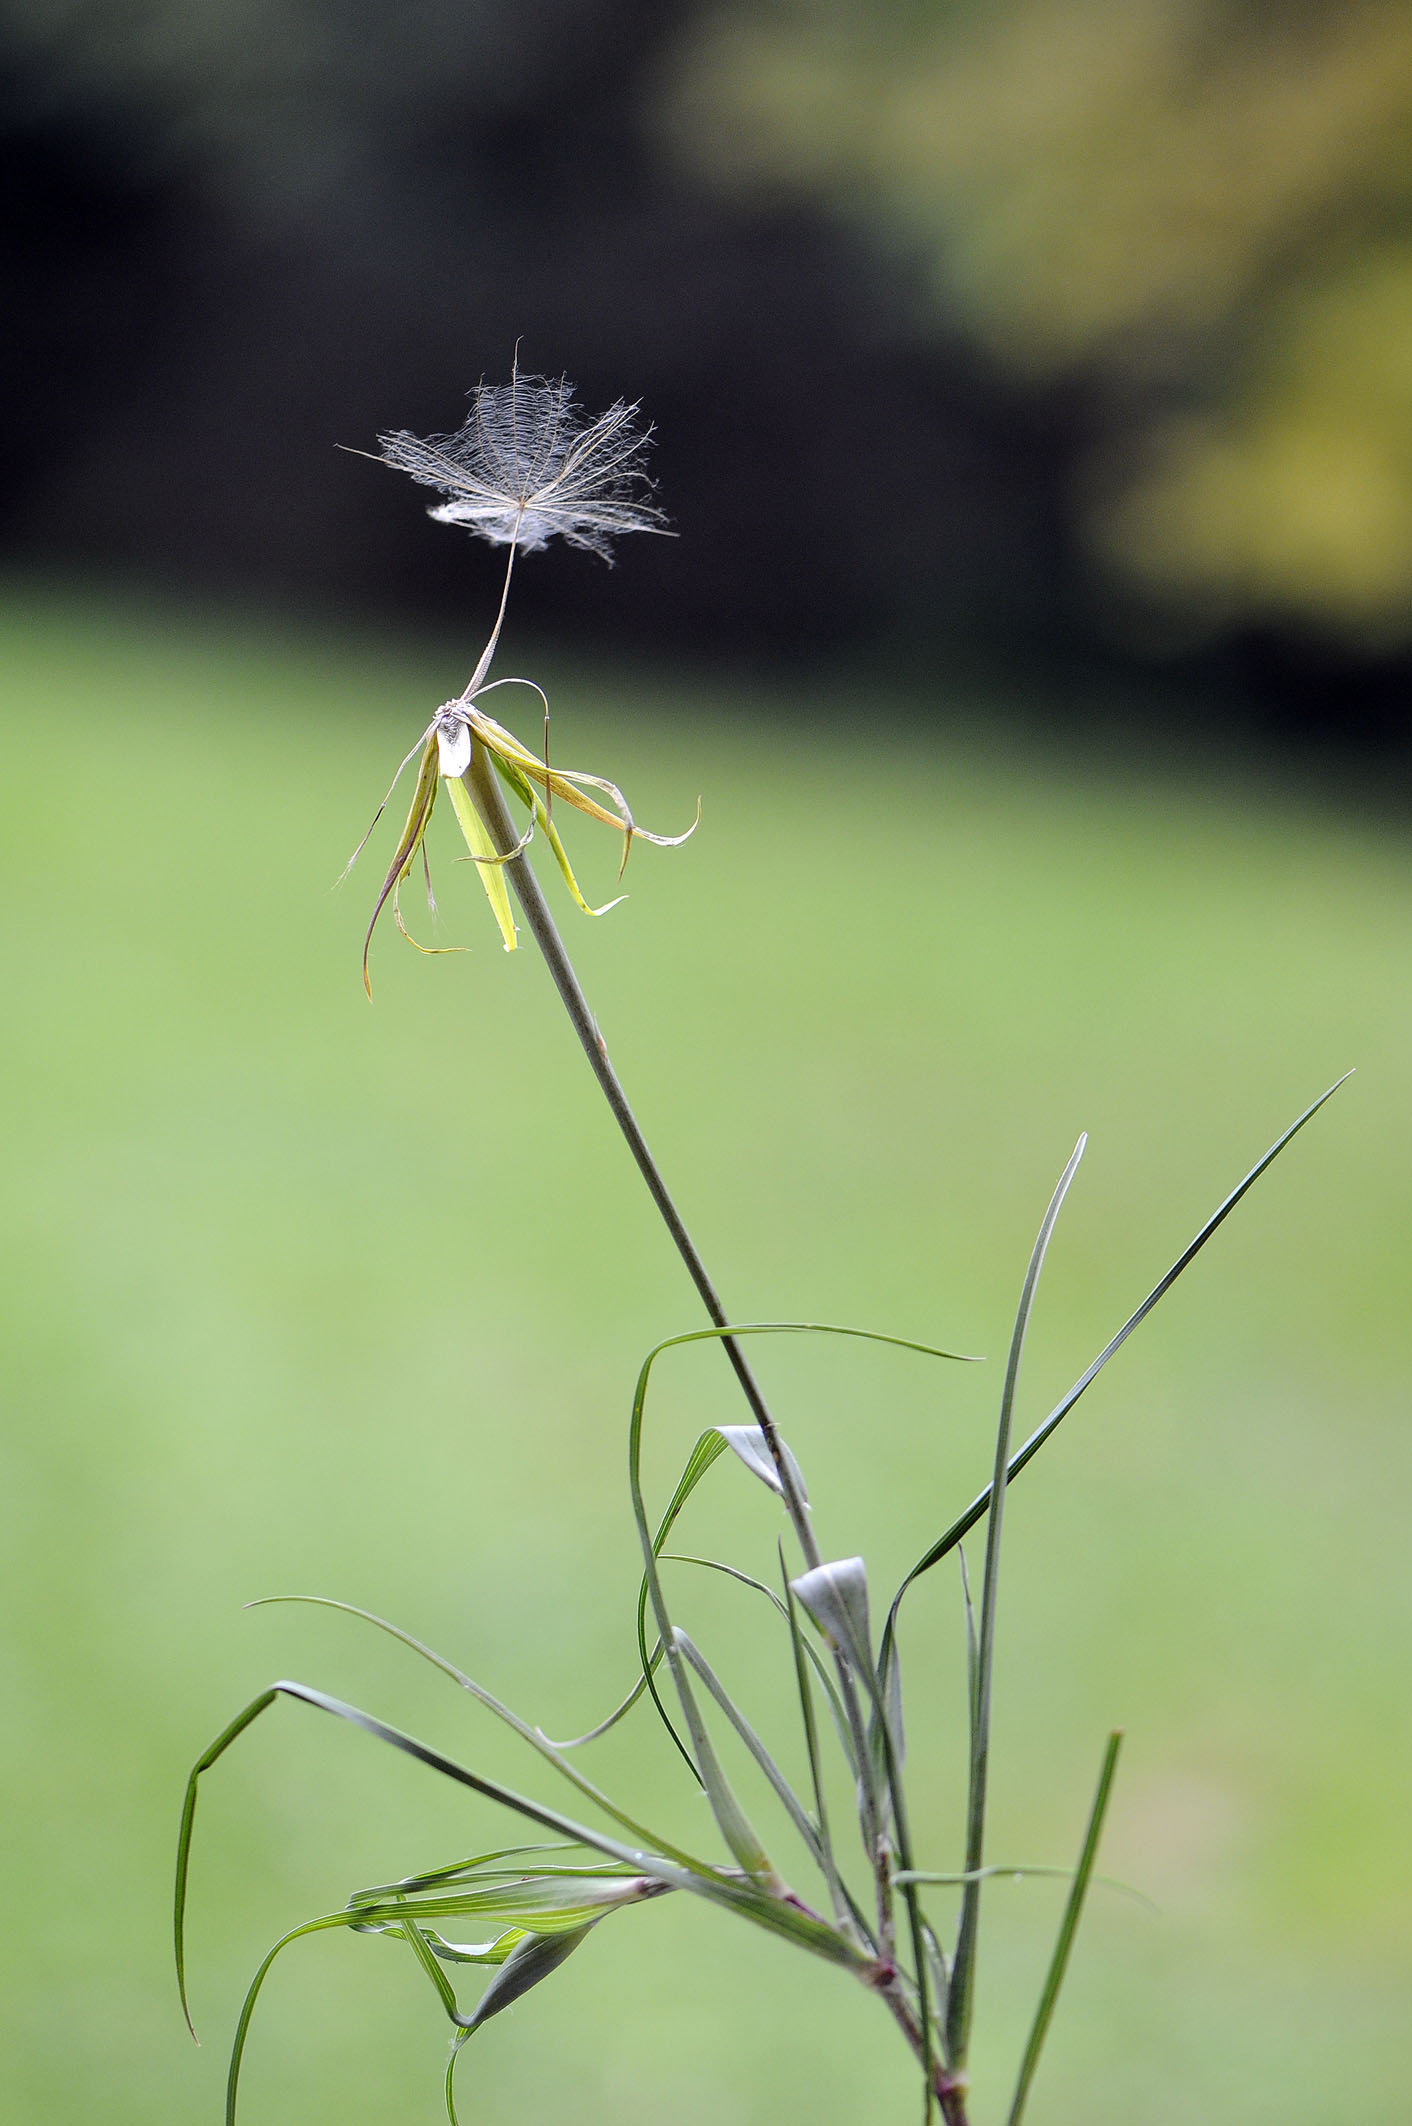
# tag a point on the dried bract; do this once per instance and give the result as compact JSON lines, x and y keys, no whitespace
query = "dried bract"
{"x":528,"y":464}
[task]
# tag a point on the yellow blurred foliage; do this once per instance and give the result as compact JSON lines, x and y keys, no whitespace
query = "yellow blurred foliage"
{"x":1203,"y":209}
{"x":1296,"y":493}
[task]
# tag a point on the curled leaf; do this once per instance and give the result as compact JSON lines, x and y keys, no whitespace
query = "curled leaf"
{"x":836,"y":1597}
{"x":748,"y":1441}
{"x":537,"y":1957}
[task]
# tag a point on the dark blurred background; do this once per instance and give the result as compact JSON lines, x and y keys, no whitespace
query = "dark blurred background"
{"x":1060,"y":337}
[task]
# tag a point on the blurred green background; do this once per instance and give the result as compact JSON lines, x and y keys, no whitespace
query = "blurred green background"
{"x":303,"y":1294}
{"x":1035,"y":407}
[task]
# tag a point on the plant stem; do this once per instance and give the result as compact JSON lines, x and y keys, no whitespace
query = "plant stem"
{"x":484,"y":660}
{"x":490,"y":803}
{"x":949,"y":2090}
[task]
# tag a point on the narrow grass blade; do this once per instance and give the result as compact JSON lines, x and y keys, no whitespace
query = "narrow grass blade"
{"x":671,"y":1343}
{"x":620,"y":1710}
{"x":708,"y":1776}
{"x":426,"y":1957}
{"x":967,"y":1521}
{"x":1003,"y":1871}
{"x":811,"y":1742}
{"x":801,"y":1328}
{"x":696,"y":1875}
{"x":721,"y":1887}
{"x":449,"y":2088}
{"x":704,"y":1455}
{"x":1068,"y":1927}
{"x":475,"y":1875}
{"x":523,"y":1965}
{"x":731,"y":1819}
{"x":890,"y":1677}
{"x":784,"y":1792}
{"x":203,"y":1763}
{"x":959,"y":2005}
{"x":539,"y":1905}
{"x":744,"y":1897}
{"x":972,"y":1647}
{"x":459,"y":1870}
{"x":816,"y":1660}
{"x":537,"y":1741}
{"x":836,"y":1597}
{"x":692,"y":1874}
{"x":247,"y":2010}
{"x":887,"y":1740}
{"x":781,"y":1915}
{"x":843,"y":1904}
{"x":708,"y":1450}
{"x":937,"y":1966}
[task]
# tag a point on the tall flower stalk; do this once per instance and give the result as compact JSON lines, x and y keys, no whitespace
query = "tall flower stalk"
{"x":526,"y":466}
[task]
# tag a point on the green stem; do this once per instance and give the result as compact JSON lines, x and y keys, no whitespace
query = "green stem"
{"x":948,"y":2089}
{"x":484,"y":660}
{"x":491,"y":805}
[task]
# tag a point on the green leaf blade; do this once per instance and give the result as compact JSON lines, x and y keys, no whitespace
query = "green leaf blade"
{"x":1068,"y":1927}
{"x":966,"y":1521}
{"x":962,"y":1988}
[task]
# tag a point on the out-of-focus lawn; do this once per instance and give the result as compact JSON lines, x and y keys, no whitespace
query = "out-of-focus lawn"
{"x":302,"y":1294}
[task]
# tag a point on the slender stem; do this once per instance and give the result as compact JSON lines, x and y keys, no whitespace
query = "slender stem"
{"x":491,"y":804}
{"x":483,"y":662}
{"x":485,"y":789}
{"x":949,"y":2089}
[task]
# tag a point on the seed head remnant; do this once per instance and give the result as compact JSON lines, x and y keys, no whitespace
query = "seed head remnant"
{"x":526,"y":465}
